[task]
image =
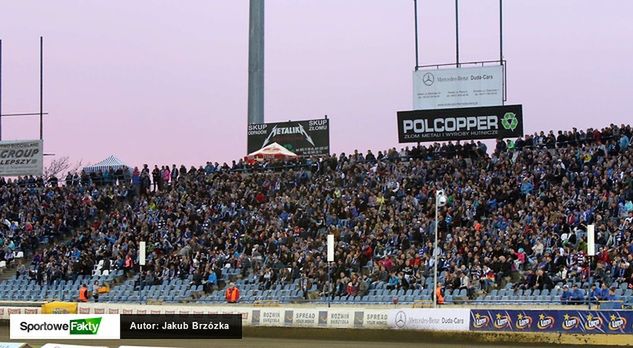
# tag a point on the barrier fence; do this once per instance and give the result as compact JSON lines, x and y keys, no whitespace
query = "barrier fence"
{"x":428,"y":319}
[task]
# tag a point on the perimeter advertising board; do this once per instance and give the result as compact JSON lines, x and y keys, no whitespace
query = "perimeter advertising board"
{"x":305,"y":138}
{"x":446,"y":319}
{"x":458,"y":87}
{"x":491,"y":122}
{"x":21,"y":157}
{"x":561,"y":321}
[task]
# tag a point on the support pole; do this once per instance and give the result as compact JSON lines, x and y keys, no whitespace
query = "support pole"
{"x":41,"y":88}
{"x":0,"y":90}
{"x":501,"y":31}
{"x":330,"y":288}
{"x":256,"y":62}
{"x":435,"y":254}
{"x":457,"y":32}
{"x":588,"y":295}
{"x":415,"y":20}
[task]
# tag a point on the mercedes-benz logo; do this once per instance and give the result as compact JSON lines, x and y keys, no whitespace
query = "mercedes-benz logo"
{"x":428,"y":78}
{"x":401,"y":319}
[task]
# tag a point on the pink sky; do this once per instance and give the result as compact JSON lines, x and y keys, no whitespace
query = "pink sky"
{"x":164,"y":82}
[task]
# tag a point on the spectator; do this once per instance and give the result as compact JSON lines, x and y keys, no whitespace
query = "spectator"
{"x":353,"y":286}
{"x":611,"y":295}
{"x":565,"y":297}
{"x":603,"y":293}
{"x":212,"y":282}
{"x":83,"y":293}
{"x":515,"y":217}
{"x":577,"y":295}
{"x":439,"y":294}
{"x":594,"y":294}
{"x":232,"y":294}
{"x":363,"y":288}
{"x":95,"y":291}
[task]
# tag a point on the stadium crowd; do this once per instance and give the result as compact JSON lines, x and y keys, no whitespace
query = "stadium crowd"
{"x":516,"y":215}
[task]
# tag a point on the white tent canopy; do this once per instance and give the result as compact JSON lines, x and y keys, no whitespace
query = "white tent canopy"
{"x":109,"y":163}
{"x":272,"y":151}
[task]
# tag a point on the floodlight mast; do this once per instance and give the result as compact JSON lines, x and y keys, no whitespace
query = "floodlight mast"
{"x":256,"y":62}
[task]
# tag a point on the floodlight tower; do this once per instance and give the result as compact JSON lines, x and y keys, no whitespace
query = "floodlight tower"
{"x":256,"y":62}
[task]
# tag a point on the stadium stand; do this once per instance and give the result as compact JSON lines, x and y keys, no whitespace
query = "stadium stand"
{"x":513,"y":231}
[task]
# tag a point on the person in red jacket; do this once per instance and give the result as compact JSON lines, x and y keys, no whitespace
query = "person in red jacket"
{"x":232,"y":294}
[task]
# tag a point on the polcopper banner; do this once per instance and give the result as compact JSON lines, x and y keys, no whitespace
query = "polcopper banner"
{"x":491,"y":122}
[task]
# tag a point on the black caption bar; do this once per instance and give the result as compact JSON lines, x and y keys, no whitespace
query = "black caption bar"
{"x":181,"y":326}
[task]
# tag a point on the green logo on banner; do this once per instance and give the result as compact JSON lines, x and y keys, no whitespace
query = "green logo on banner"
{"x":509,"y":121}
{"x":88,"y":326}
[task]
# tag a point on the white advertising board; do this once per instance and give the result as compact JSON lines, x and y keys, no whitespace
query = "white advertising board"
{"x":7,"y":312}
{"x":458,"y":87}
{"x":13,"y":345}
{"x":18,"y":158}
{"x":456,"y":319}
{"x":336,"y":317}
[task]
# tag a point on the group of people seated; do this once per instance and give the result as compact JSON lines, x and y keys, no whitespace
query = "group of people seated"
{"x":518,"y":214}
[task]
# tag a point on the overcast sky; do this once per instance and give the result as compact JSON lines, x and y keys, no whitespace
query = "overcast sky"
{"x":164,"y":82}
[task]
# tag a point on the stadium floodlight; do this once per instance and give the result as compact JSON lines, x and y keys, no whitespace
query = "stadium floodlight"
{"x":440,"y":201}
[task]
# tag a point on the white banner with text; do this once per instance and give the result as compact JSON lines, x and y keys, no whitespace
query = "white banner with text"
{"x":445,"y":319}
{"x":458,"y":87}
{"x":18,"y":158}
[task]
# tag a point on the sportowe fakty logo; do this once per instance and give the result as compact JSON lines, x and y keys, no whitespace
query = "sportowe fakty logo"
{"x":86,"y":326}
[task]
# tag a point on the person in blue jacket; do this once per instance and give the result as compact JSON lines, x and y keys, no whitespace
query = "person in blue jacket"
{"x":577,"y":295}
{"x":565,"y":297}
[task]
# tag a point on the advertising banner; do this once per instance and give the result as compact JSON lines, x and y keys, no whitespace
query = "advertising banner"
{"x":59,"y":308}
{"x":572,"y":321}
{"x":446,"y":319}
{"x":7,"y":312}
{"x":268,"y":317}
{"x":371,"y":318}
{"x":18,"y":158}
{"x":304,"y":138}
{"x":493,"y":122}
{"x":458,"y":87}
